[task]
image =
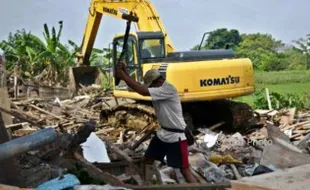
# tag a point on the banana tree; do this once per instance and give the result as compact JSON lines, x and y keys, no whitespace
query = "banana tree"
{"x":19,"y":51}
{"x":50,"y":54}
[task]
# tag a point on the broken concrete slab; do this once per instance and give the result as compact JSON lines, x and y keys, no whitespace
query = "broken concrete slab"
{"x":293,"y":178}
{"x":303,"y":143}
{"x":275,"y":133}
{"x":279,"y":137}
{"x":279,"y":155}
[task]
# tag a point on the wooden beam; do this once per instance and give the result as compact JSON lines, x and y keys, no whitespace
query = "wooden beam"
{"x":21,"y":116}
{"x":7,"y":187}
{"x":187,"y":186}
{"x":236,"y":185}
{"x":122,"y":154}
{"x":96,"y":173}
{"x":46,"y":112}
{"x":10,"y":172}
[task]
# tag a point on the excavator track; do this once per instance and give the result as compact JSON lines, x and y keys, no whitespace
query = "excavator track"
{"x":129,"y":116}
{"x":235,"y":115}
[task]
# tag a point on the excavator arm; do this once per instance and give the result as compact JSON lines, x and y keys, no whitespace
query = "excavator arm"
{"x":149,"y":21}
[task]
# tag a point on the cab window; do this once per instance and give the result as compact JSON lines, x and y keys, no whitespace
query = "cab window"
{"x":129,"y":55}
{"x":152,"y":48}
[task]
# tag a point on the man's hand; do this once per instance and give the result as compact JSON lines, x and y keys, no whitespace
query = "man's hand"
{"x":123,"y":66}
{"x":119,"y":73}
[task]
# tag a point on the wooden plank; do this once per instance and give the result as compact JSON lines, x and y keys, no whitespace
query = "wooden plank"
{"x":5,"y":102}
{"x":16,"y":125}
{"x":9,"y":169}
{"x":122,"y":154}
{"x":122,"y":163}
{"x":268,"y":99}
{"x":96,"y":173}
{"x":8,"y":187}
{"x":187,"y":186}
{"x":142,"y":139}
{"x":198,"y":177}
{"x":22,"y":116}
{"x":46,"y":112}
{"x":236,"y":185}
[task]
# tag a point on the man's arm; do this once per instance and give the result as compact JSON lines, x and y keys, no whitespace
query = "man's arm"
{"x":132,"y":83}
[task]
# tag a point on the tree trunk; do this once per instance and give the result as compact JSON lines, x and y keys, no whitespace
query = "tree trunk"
{"x":10,"y":173}
{"x":53,"y":67}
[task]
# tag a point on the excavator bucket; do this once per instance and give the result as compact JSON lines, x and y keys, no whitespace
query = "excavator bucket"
{"x":88,"y":75}
{"x":84,"y":76}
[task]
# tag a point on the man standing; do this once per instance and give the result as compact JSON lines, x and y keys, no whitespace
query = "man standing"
{"x":169,"y":142}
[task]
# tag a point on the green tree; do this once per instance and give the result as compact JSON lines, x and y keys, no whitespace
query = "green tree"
{"x":37,"y":59}
{"x":294,"y":59}
{"x":262,"y":49}
{"x":196,"y":47}
{"x":20,"y":51}
{"x":303,"y":46}
{"x":57,"y":57}
{"x":50,"y":53}
{"x":221,"y":38}
{"x":98,"y":57}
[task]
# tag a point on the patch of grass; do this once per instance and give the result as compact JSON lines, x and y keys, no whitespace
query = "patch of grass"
{"x":282,"y":82}
{"x":291,"y":88}
{"x":246,"y":99}
{"x":282,"y":77}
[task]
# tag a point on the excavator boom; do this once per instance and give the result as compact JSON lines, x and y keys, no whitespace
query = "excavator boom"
{"x":149,"y":21}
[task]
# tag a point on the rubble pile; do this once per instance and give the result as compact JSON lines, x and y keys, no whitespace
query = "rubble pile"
{"x":68,"y":117}
{"x":95,"y":149}
{"x":295,"y":126}
{"x":280,"y":141}
{"x":68,"y":114}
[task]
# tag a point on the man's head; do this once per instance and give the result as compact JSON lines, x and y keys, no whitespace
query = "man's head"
{"x":153,"y":78}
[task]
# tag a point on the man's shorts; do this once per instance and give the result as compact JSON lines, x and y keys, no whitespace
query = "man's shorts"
{"x":177,"y":153}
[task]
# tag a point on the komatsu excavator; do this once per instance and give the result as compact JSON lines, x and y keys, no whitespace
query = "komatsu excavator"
{"x":205,"y":80}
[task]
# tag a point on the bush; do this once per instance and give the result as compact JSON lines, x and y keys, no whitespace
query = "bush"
{"x":280,"y":101}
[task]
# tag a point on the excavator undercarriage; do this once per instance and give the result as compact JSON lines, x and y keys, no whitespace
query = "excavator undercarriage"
{"x":226,"y":115}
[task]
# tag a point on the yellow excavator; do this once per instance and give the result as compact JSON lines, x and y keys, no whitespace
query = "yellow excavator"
{"x":206,"y":80}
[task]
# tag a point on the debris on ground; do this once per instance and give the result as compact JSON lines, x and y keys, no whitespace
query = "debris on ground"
{"x":94,"y":150}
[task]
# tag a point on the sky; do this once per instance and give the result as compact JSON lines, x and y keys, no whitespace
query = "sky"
{"x":185,"y":20}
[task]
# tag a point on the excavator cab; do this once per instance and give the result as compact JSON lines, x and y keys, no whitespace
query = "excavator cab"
{"x":142,"y":46}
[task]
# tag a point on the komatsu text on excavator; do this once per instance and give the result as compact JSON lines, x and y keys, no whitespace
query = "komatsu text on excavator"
{"x":205,"y":80}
